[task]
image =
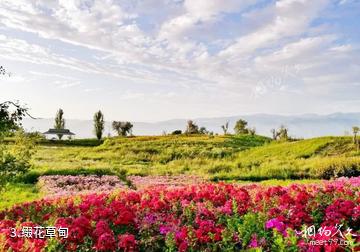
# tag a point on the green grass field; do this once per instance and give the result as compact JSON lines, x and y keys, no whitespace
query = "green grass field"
{"x":148,"y":155}
{"x":18,"y":193}
{"x":221,"y":157}
{"x":244,"y":159}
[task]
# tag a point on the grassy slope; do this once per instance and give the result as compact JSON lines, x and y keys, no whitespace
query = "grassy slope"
{"x":221,"y":157}
{"x":323,"y":157}
{"x":147,"y":155}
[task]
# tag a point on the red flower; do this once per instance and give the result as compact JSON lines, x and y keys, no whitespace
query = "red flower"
{"x":106,"y":242}
{"x":127,"y":242}
{"x":124,"y":218}
{"x":76,"y":234}
{"x":102,"y":227}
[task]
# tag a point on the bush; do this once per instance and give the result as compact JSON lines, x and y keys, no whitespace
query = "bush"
{"x":31,"y":177}
{"x":90,"y":142}
{"x":339,"y":167}
{"x":176,"y":132}
{"x":15,"y":158}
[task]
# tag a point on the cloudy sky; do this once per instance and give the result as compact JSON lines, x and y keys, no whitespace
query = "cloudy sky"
{"x":149,"y":60}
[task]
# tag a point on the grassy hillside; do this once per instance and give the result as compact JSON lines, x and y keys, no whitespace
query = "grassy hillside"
{"x":323,"y":157}
{"x":148,"y":155}
{"x":220,"y":157}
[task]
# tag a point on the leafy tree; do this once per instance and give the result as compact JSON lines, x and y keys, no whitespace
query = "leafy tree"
{"x":191,"y":128}
{"x":99,"y":124}
{"x":280,"y":134}
{"x":11,"y":114}
{"x":225,"y":128}
{"x":15,"y":158}
{"x":283,"y":133}
{"x":252,"y":131}
{"x":59,"y":122}
{"x":122,"y":128}
{"x":203,"y":131}
{"x":240,"y":127}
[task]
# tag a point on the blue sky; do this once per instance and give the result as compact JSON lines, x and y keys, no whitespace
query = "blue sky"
{"x":150,"y":60}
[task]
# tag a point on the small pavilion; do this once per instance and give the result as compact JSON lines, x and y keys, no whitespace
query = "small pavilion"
{"x":63,"y":132}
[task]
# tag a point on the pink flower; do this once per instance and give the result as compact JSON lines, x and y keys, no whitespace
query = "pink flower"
{"x":254,"y":242}
{"x":275,"y":223}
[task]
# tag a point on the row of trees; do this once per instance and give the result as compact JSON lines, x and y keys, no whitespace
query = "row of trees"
{"x":192,"y":128}
{"x":122,"y":128}
{"x":240,"y":128}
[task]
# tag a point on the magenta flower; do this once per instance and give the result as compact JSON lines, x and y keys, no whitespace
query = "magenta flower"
{"x":254,"y":242}
{"x":275,"y":223}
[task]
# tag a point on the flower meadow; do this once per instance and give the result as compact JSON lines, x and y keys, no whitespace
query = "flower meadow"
{"x":142,"y":182}
{"x":57,"y":185}
{"x":202,"y":217}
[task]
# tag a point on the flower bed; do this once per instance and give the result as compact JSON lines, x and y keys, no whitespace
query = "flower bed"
{"x":57,"y":185}
{"x":170,"y":181}
{"x":205,"y":217}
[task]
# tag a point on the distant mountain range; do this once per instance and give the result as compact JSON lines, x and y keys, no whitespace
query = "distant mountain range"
{"x":302,"y":126}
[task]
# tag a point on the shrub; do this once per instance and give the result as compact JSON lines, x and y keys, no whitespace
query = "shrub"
{"x":338,"y":167}
{"x":15,"y":158}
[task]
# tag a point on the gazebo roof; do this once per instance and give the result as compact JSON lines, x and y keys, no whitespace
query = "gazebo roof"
{"x":59,"y":131}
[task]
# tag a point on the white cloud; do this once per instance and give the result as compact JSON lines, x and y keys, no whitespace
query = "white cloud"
{"x":251,"y":48}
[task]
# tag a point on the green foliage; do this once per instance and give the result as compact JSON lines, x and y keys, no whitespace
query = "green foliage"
{"x":240,"y":157}
{"x":15,"y":158}
{"x":176,"y":132}
{"x":333,"y":167}
{"x":31,"y":177}
{"x":36,"y":135}
{"x":325,"y":157}
{"x":15,"y":193}
{"x":59,"y":122}
{"x":173,"y":154}
{"x":203,"y":131}
{"x":251,"y":224}
{"x":243,"y":142}
{"x":90,"y":142}
{"x":246,"y":227}
{"x":11,"y":114}
{"x":283,"y":243}
{"x":241,"y":127}
{"x":122,"y":128}
{"x":99,"y":124}
{"x":85,"y":142}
